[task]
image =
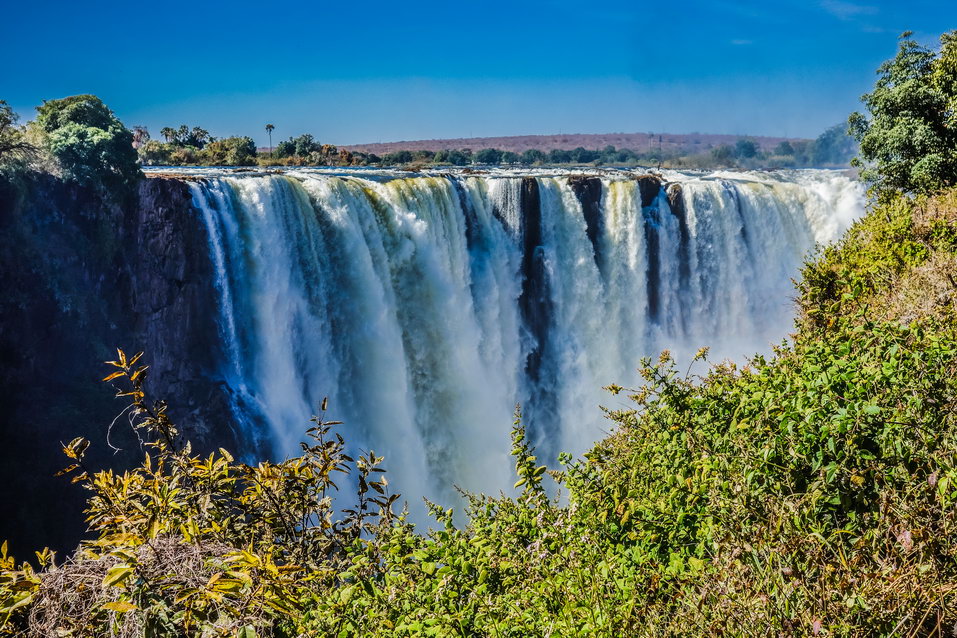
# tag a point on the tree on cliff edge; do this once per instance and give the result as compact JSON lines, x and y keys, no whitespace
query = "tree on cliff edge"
{"x":13,"y":147}
{"x":88,"y":142}
{"x":909,"y":142}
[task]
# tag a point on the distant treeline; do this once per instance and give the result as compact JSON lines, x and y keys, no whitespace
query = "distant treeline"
{"x":194,"y":146}
{"x":187,"y":146}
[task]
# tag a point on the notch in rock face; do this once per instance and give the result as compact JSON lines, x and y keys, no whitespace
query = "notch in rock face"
{"x":648,"y":186}
{"x":535,"y":304}
{"x":676,"y":202}
{"x":588,"y":191}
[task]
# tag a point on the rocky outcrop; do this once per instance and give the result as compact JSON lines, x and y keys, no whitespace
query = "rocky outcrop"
{"x":588,"y":191}
{"x":649,"y":186}
{"x":173,"y":305}
{"x":82,"y":274}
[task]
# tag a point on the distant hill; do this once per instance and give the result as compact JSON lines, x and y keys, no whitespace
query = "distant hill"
{"x":639,"y":142}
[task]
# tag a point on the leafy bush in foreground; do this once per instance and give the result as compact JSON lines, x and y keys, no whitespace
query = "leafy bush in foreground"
{"x":195,"y":545}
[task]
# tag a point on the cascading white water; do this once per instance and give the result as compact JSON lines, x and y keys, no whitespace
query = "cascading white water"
{"x":426,"y":307}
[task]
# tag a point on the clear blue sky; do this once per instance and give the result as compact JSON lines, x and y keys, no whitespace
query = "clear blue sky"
{"x":367,"y":71}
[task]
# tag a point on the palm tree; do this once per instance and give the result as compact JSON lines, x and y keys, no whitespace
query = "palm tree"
{"x":269,"y":130}
{"x":168,"y":133}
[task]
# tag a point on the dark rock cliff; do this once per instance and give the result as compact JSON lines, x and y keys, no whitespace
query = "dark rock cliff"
{"x":82,"y":274}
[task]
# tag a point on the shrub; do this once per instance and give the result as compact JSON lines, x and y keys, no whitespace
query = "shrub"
{"x":88,"y":142}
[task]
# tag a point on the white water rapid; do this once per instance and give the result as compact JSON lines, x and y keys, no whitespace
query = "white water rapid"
{"x":426,"y":307}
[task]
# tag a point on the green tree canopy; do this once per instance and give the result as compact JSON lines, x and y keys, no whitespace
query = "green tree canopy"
{"x":231,"y":151}
{"x":88,"y":141}
{"x":784,"y":148}
{"x":745,"y":148}
{"x":908,"y":138}
{"x":301,"y":146}
{"x":532,"y":156}
{"x":489,"y":156}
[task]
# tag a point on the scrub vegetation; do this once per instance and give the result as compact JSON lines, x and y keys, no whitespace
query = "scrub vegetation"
{"x":811,"y":492}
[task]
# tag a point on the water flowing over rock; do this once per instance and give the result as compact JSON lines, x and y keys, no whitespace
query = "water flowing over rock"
{"x":426,"y":307}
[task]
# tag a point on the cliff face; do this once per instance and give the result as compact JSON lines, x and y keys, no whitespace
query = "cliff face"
{"x":80,"y":275}
{"x":173,"y":306}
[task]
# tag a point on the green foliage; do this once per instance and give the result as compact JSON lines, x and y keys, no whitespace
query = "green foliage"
{"x":784,"y":148}
{"x":184,"y":136}
{"x":532,"y":156}
{"x":13,"y":148}
{"x":909,"y":142}
{"x":880,"y":250}
{"x":745,"y":149}
{"x":155,"y":153}
{"x":489,"y":156}
{"x":230,"y":151}
{"x":301,"y":146}
{"x":88,"y":142}
{"x":397,"y":158}
{"x":192,"y":545}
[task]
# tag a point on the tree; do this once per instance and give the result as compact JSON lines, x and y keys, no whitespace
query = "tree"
{"x":88,"y":141}
{"x":12,"y":144}
{"x":784,"y":148}
{"x":155,"y":153}
{"x":745,"y":149}
{"x":533,"y":156}
{"x":722,"y":154}
{"x":397,"y":158}
{"x":461,"y":157}
{"x":489,"y":156}
{"x":301,"y":146}
{"x":141,"y":136}
{"x":269,"y":129}
{"x":908,"y":139}
{"x":230,"y":151}
{"x":558,"y":156}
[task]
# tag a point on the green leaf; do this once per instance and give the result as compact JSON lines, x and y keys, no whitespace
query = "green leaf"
{"x":117,"y":574}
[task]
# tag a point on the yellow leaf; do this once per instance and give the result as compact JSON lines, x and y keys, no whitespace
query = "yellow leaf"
{"x":117,"y":574}
{"x":120,"y":606}
{"x":119,"y":373}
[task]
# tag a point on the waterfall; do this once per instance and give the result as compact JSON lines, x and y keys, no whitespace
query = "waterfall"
{"x":426,"y":307}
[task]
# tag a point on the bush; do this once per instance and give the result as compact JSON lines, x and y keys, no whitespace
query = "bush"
{"x":230,"y":151}
{"x":88,"y":142}
{"x":190,"y":545}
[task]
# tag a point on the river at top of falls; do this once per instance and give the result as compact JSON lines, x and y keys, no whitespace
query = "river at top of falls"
{"x":427,"y":305}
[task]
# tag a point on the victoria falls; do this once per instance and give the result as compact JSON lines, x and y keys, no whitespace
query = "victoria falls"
{"x":425,"y":308}
{"x":514,"y":320}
